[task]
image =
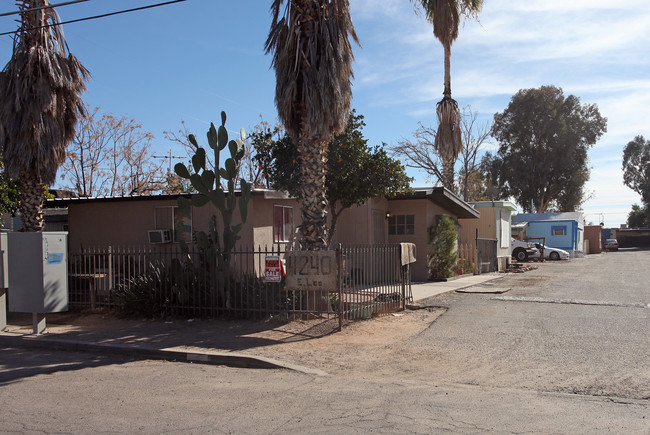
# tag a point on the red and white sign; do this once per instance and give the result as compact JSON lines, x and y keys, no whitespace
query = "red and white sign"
{"x":273,"y":269}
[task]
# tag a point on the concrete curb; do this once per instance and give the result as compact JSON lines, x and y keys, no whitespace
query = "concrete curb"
{"x":170,"y":354}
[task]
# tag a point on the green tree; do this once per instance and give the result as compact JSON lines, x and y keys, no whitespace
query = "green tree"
{"x":355,"y":171}
{"x":639,"y":217}
{"x":636,"y":176}
{"x":312,"y":58}
{"x":9,"y":193}
{"x":41,"y":90}
{"x":443,"y":240}
{"x":445,"y":16}
{"x":636,"y":167}
{"x":543,"y":140}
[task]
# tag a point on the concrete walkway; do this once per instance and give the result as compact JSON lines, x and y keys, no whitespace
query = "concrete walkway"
{"x":426,"y":290}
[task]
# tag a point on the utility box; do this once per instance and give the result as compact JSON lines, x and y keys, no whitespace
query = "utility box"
{"x":38,"y":272}
{"x":4,"y":262}
{"x":4,"y":280}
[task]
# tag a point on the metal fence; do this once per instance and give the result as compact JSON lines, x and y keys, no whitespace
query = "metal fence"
{"x":487,"y":255}
{"x":167,"y":281}
{"x":373,"y":281}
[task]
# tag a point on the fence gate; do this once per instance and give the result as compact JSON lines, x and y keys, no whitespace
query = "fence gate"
{"x":487,"y":255}
{"x":370,"y":280}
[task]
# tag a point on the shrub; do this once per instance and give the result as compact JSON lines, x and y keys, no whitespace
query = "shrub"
{"x":181,"y":289}
{"x":443,"y":256}
{"x":159,"y":292}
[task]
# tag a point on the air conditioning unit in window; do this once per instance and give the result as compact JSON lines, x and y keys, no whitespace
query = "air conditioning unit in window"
{"x":160,"y":236}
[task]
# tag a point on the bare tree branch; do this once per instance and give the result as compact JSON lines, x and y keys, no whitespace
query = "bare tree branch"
{"x":422,"y":154}
{"x":109,"y":155}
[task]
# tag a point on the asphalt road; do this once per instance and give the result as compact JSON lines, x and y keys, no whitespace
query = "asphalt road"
{"x":78,"y":393}
{"x":580,"y":326}
{"x":566,"y":350}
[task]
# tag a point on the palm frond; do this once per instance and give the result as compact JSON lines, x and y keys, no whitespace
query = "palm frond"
{"x":312,"y":58}
{"x":448,"y":141}
{"x":41,"y":90}
{"x":446,"y":15}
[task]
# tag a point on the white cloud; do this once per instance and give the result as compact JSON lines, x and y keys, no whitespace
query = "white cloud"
{"x":594,"y":49}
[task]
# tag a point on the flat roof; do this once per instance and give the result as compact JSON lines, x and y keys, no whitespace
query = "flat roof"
{"x":439,"y":195}
{"x":443,"y":197}
{"x":500,"y":204}
{"x":545,"y":217}
{"x":64,"y":202}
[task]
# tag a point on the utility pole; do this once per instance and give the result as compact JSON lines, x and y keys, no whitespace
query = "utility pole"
{"x":169,"y":157}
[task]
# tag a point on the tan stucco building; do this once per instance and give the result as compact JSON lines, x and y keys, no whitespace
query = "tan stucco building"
{"x":494,"y":223}
{"x":272,"y":220}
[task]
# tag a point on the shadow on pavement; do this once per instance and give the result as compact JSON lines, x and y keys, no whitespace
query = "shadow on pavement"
{"x":17,"y":364}
{"x":220,"y":335}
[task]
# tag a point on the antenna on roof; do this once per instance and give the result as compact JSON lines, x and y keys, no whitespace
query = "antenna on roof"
{"x":492,"y":192}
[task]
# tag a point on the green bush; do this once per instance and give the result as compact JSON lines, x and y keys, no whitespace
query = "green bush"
{"x":443,"y":255}
{"x":159,"y":292}
{"x":182,"y":289}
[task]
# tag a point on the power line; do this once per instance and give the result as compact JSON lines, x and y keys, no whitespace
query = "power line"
{"x":6,"y":14}
{"x":168,"y":157}
{"x":97,"y":16}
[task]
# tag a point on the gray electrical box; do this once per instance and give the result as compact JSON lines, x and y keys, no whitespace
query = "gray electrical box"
{"x":4,"y":280}
{"x":38,"y":272}
{"x":4,"y":276}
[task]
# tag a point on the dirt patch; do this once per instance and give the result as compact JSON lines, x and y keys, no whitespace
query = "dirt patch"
{"x":381,"y":346}
{"x":364,"y":348}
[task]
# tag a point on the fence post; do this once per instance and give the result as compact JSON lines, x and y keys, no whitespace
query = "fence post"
{"x":477,"y":266}
{"x":339,"y":283}
{"x":111,"y":285}
{"x":475,"y":257}
{"x":403,"y":270}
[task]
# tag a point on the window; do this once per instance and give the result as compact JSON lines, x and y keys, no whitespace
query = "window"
{"x":559,"y":231}
{"x":401,"y":224}
{"x":172,"y":218}
{"x":282,"y":223}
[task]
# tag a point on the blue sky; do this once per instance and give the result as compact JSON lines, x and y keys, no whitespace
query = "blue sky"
{"x":189,"y":61}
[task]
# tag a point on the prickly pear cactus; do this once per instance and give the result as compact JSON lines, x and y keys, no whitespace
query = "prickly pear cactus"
{"x":210,"y":188}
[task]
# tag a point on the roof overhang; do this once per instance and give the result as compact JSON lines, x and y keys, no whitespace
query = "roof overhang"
{"x":64,"y":202}
{"x":518,"y":225}
{"x":445,"y":198}
{"x":507,"y":205}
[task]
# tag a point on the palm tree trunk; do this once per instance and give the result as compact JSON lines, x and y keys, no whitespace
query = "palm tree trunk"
{"x":448,"y":174}
{"x":448,"y":141}
{"x":31,"y":203}
{"x":313,"y":231}
{"x":447,"y":92}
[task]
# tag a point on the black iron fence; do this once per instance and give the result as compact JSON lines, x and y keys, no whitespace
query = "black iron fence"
{"x":373,"y":281}
{"x":168,"y":281}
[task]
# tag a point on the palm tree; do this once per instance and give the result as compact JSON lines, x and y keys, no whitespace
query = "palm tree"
{"x":41,"y":90}
{"x":312,"y":58}
{"x":445,"y":16}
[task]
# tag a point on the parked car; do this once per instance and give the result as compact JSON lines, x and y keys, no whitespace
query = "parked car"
{"x":611,"y":245}
{"x":522,"y":251}
{"x":551,"y":253}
